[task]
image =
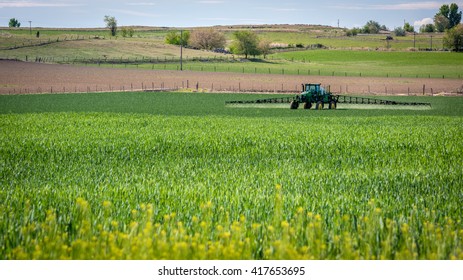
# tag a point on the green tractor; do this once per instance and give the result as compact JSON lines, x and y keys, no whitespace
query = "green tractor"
{"x":314,"y":94}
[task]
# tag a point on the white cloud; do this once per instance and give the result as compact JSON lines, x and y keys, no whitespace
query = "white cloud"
{"x":417,"y":24}
{"x":34,"y":4}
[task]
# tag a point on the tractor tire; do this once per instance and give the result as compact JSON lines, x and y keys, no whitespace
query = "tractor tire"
{"x":307,"y":105}
{"x":319,"y":105}
{"x":294,"y":105}
{"x":332,"y":105}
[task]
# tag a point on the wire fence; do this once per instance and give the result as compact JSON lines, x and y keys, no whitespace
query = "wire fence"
{"x":232,"y":87}
{"x":220,"y":64}
{"x":40,"y":42}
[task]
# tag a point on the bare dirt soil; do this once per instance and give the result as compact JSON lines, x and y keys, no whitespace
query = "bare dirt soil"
{"x":18,"y":77}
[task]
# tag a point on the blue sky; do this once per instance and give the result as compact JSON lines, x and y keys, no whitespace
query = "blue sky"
{"x":182,"y":13}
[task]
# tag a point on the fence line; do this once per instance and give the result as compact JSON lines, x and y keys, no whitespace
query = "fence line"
{"x":233,"y":66}
{"x":237,"y":87}
{"x":48,"y":42}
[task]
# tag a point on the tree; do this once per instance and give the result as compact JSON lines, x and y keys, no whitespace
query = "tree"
{"x":207,"y":39}
{"x":441,"y":22}
{"x":371,"y":27}
{"x":246,"y":42}
{"x":453,"y":38}
{"x":14,"y":23}
{"x":454,"y":15}
{"x":174,"y":38}
{"x":264,"y":48}
{"x":409,"y":28}
{"x":428,"y":28}
{"x":451,"y":14}
{"x":111,"y":23}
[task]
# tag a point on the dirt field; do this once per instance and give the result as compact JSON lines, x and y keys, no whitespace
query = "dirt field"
{"x":27,"y":77}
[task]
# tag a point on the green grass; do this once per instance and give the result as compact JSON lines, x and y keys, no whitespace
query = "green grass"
{"x":353,"y":56}
{"x":182,"y":176}
{"x":373,"y":63}
{"x":323,"y":62}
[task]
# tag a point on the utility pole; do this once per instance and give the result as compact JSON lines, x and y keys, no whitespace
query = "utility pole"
{"x":181,"y":50}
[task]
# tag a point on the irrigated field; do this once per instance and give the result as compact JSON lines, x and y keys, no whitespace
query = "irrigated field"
{"x":182,"y":176}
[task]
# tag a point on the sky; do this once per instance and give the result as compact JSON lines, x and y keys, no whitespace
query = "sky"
{"x":182,"y":13}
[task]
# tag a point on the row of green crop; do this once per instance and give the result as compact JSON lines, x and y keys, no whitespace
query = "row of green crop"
{"x":288,"y":68}
{"x":277,"y":184}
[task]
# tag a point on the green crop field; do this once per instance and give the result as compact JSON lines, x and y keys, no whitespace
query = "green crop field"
{"x":327,"y":63}
{"x":182,"y":176}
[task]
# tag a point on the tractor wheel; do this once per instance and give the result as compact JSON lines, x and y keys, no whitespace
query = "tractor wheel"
{"x":319,"y":105}
{"x":307,"y":105}
{"x":294,"y":105}
{"x":332,"y":105}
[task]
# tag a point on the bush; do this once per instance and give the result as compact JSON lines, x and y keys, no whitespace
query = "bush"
{"x":173,"y":38}
{"x":428,"y":28}
{"x":353,"y":32}
{"x":127,"y":32}
{"x":453,"y":38}
{"x":399,"y":31}
{"x":371,"y":27}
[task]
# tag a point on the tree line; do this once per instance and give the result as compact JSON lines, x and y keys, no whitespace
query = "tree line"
{"x":245,"y":42}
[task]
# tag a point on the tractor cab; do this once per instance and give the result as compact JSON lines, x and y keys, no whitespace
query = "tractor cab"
{"x":313,"y":89}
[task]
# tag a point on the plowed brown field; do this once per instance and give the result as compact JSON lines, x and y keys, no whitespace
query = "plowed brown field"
{"x":27,"y":77}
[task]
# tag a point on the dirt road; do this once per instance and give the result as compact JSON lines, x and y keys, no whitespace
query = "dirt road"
{"x":18,"y":77}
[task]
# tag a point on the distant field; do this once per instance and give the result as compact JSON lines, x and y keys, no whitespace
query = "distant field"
{"x":319,"y":62}
{"x":93,"y":45}
{"x":182,"y":176}
{"x":374,"y":63}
